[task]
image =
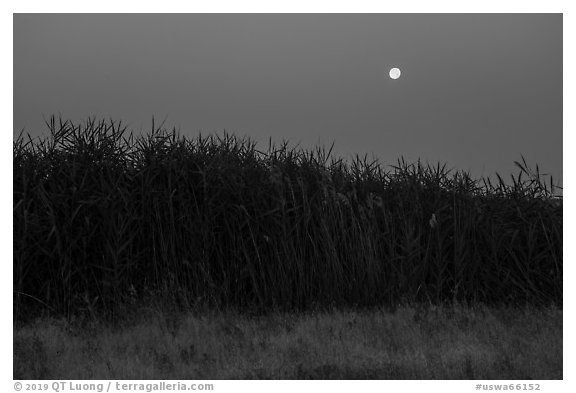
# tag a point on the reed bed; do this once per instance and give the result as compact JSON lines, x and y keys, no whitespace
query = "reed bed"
{"x":103,"y":218}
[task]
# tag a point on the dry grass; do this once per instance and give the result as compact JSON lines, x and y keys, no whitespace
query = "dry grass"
{"x":412,"y":343}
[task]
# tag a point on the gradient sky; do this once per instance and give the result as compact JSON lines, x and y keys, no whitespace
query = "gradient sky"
{"x":476,"y":91}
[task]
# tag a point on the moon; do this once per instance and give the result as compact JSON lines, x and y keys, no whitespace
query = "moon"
{"x":395,"y":73}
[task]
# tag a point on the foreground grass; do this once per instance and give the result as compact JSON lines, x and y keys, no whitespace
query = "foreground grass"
{"x":411,"y":343}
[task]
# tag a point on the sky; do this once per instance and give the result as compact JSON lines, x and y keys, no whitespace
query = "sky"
{"x":477,"y":91}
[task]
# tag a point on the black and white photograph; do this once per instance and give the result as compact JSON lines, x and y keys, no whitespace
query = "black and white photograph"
{"x":288,"y":196}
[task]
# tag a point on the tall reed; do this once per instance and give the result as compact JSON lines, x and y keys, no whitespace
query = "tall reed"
{"x":102,"y":216}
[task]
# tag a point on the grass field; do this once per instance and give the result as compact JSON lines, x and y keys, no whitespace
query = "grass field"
{"x":448,"y":342}
{"x":104,"y":219}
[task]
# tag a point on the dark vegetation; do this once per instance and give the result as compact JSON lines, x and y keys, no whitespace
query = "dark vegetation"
{"x":102,"y":217}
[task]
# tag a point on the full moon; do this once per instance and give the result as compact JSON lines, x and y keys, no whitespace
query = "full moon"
{"x":395,"y":73}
